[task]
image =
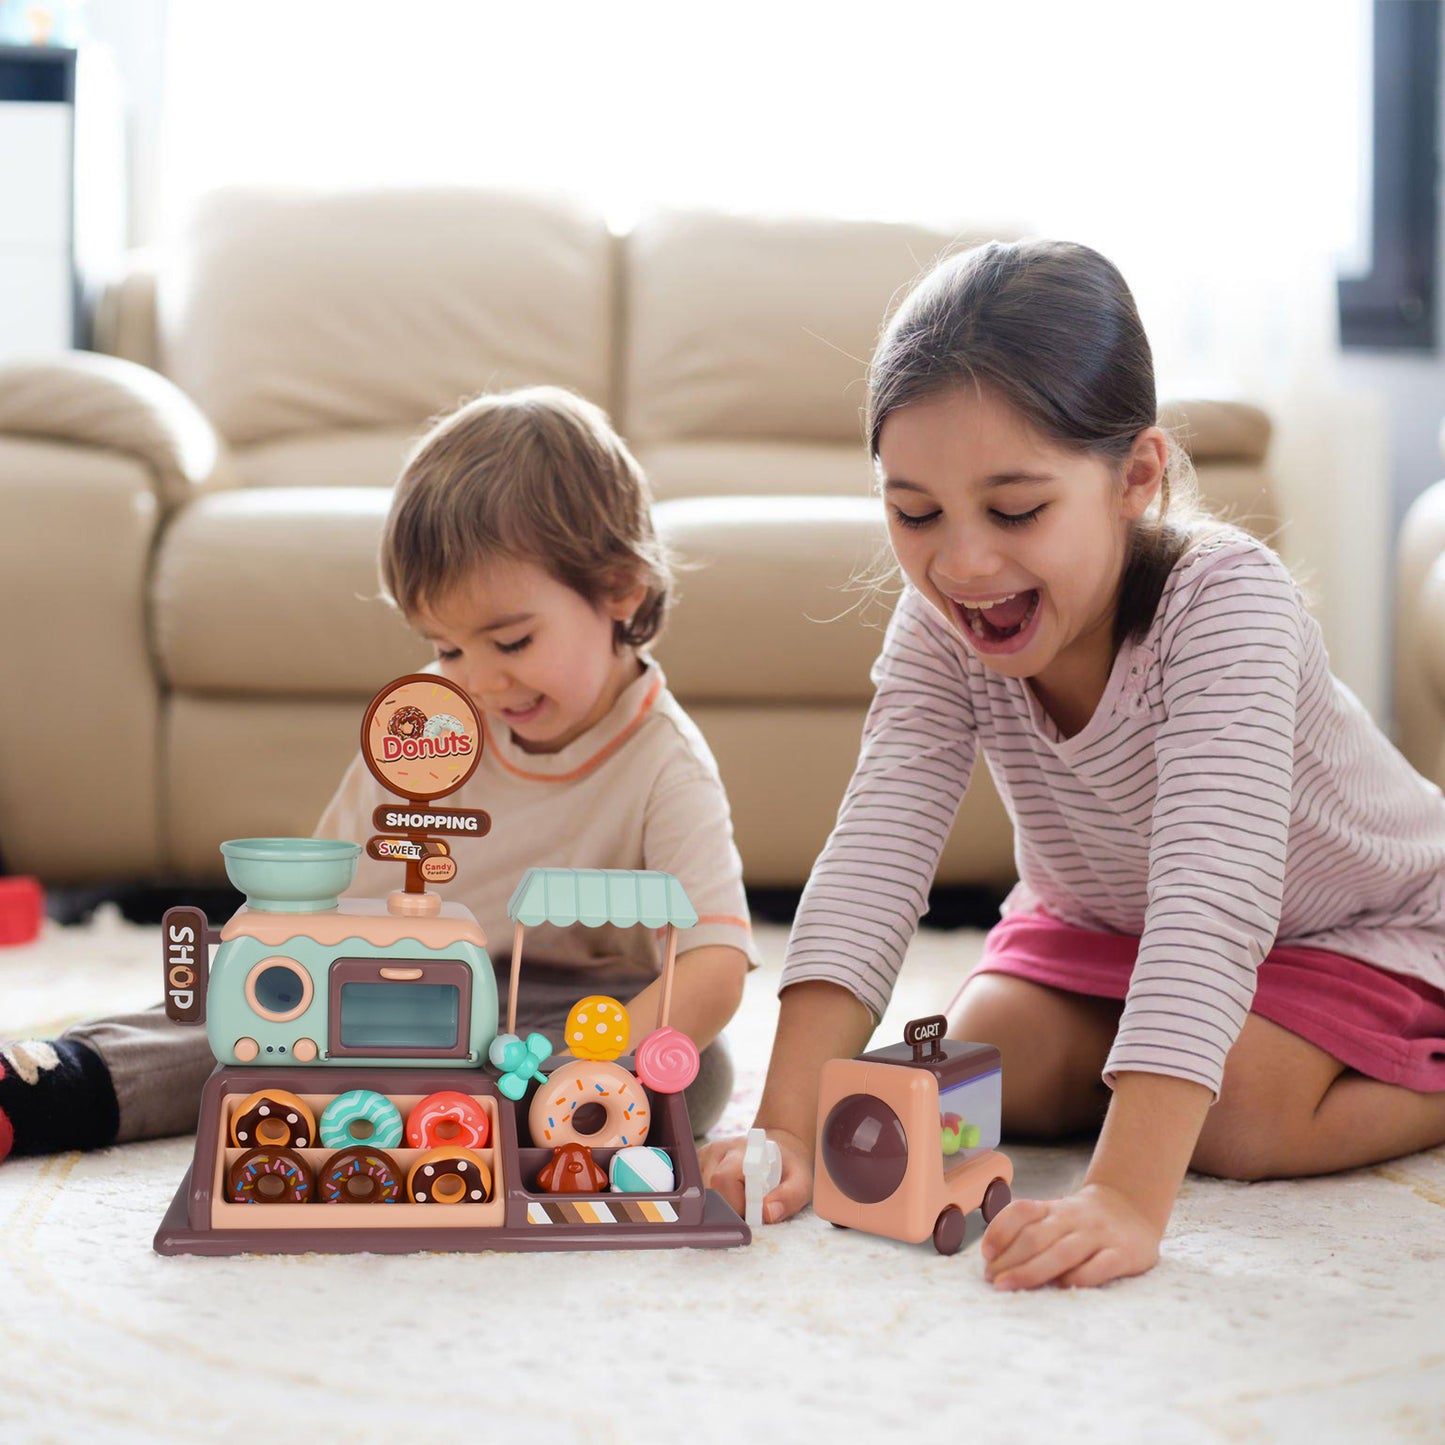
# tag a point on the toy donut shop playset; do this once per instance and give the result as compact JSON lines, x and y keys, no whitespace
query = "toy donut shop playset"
{"x":359,"y":1060}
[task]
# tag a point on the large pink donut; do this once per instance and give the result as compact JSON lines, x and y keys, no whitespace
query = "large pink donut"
{"x":447,"y":1119}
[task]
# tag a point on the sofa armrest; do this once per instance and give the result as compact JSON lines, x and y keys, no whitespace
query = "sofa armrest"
{"x":1420,"y":634}
{"x":94,"y":451}
{"x":84,"y":399}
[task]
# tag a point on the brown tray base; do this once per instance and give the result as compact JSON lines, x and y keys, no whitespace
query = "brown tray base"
{"x":191,"y":1226}
{"x":720,"y":1229}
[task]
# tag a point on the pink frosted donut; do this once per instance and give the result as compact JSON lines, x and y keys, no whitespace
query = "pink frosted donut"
{"x":667,"y":1061}
{"x":448,"y":1119}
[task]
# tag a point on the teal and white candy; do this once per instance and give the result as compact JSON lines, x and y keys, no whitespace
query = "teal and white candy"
{"x":360,"y":1106}
{"x":641,"y":1170}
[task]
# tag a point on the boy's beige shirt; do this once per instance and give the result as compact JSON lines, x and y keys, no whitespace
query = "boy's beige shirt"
{"x":638,"y":790}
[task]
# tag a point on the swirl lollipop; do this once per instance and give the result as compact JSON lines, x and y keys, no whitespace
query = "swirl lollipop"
{"x":667,"y":1061}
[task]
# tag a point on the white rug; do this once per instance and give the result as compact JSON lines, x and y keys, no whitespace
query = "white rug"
{"x":1308,"y":1311}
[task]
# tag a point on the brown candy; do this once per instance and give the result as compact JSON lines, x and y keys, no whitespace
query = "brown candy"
{"x":572,"y":1171}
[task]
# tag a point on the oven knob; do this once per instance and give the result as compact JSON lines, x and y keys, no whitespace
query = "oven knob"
{"x":303,"y":1050}
{"x":246,"y":1050}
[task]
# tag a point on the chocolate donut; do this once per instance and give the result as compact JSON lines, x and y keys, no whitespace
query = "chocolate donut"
{"x":269,"y":1176}
{"x":274,"y":1118}
{"x":407,"y":722}
{"x":359,"y":1176}
{"x":449,"y":1176}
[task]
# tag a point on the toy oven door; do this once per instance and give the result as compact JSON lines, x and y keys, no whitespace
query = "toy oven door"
{"x":400,"y":1008}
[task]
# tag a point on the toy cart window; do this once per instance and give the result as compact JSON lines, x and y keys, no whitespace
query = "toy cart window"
{"x":968,"y":1117}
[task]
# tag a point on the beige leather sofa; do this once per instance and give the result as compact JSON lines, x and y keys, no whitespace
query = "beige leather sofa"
{"x":188,"y":525}
{"x":1420,"y":633}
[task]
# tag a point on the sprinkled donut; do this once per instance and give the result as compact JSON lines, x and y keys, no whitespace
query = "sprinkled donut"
{"x":359,"y":1176}
{"x":269,"y":1175}
{"x":361,"y":1117}
{"x":626,"y":1112}
{"x":407,"y":722}
{"x":448,"y":1118}
{"x":449,"y":1176}
{"x":272,"y":1117}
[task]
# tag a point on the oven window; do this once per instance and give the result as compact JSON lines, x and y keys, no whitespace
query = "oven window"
{"x":400,"y":1015}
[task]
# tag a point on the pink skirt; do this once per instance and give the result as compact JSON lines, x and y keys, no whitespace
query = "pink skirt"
{"x":1383,"y":1024}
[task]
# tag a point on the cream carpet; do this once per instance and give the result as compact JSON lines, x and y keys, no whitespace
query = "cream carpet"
{"x":1310,"y":1311}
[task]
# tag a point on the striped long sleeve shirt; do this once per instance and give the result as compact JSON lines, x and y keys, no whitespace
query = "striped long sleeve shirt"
{"x":1227,"y":794}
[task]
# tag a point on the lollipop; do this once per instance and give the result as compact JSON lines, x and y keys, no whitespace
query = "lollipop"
{"x":667,"y":1061}
{"x":519,"y":1061}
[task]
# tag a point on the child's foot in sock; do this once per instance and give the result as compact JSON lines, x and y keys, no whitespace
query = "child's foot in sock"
{"x":54,"y":1095}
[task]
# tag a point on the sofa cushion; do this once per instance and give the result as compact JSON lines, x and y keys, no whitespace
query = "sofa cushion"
{"x":752,"y":328}
{"x":273,"y":592}
{"x":775,"y":604}
{"x":288,"y":312}
{"x":354,"y":457}
{"x":760,"y":468}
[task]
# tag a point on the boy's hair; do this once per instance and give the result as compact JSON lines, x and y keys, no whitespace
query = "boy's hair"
{"x":1051,"y":328}
{"x":535,"y":475}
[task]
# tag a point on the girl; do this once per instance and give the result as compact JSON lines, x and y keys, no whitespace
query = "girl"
{"x":1230,"y":903}
{"x":520,"y":544}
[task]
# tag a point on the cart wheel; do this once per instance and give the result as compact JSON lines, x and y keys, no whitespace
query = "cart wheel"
{"x":995,"y":1197}
{"x":948,"y":1230}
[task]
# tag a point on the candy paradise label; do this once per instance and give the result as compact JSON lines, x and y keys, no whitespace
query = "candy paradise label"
{"x":421,"y":737}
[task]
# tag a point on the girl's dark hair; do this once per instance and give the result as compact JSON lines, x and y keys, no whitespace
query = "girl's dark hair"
{"x":1051,"y":328}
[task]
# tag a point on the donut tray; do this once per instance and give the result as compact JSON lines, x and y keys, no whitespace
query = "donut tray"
{"x":518,"y":1216}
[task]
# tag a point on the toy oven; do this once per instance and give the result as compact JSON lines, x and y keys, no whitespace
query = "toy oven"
{"x":399,"y":1009}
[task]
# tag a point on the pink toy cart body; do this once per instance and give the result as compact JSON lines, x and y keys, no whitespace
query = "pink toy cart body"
{"x":908,"y":1136}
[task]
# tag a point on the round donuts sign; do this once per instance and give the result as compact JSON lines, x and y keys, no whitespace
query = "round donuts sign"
{"x":421,"y":737}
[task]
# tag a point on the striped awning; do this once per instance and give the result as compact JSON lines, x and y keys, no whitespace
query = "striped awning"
{"x":594,"y":896}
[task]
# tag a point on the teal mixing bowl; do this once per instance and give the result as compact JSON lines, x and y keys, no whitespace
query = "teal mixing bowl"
{"x":291,"y":875}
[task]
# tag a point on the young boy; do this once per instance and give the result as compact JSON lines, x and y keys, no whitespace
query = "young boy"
{"x":520,"y":544}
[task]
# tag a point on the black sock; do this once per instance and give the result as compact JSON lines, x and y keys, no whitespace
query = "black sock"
{"x":54,"y":1095}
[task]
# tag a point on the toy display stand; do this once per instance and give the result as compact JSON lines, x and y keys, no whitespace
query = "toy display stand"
{"x":517,"y":1216}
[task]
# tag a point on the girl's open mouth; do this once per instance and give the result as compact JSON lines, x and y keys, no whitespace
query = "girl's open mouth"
{"x":1007,"y":626}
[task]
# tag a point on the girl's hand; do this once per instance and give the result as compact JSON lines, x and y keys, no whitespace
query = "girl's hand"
{"x":1087,"y":1238}
{"x":722,"y":1169}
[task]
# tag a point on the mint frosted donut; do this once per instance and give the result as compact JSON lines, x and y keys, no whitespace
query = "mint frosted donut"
{"x":441,"y":723}
{"x":379,"y":1118}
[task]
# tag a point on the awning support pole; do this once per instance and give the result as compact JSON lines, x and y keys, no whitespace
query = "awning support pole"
{"x":668,"y":965}
{"x":516,"y":974}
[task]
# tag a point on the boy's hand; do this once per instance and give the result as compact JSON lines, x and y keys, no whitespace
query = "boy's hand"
{"x":1086,"y":1238}
{"x":722,"y":1169}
